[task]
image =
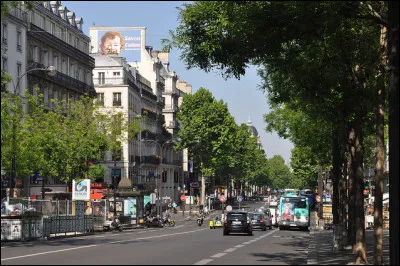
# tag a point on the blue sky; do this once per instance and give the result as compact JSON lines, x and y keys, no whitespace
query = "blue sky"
{"x":243,"y":97}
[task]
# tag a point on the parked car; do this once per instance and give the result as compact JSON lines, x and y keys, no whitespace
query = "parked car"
{"x":237,"y":222}
{"x":258,"y":220}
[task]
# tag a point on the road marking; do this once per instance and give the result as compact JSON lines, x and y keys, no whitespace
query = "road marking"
{"x":245,"y":243}
{"x":48,"y":252}
{"x":230,"y":249}
{"x":239,"y":246}
{"x":203,"y":262}
{"x":218,"y":255}
{"x":88,"y":246}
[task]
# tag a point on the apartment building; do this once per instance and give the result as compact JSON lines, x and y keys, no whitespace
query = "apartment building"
{"x":33,"y":40}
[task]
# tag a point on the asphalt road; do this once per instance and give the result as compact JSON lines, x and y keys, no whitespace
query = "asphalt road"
{"x":186,"y":243}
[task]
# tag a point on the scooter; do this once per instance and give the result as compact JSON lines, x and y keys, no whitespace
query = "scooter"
{"x":200,"y":220}
{"x":111,"y":225}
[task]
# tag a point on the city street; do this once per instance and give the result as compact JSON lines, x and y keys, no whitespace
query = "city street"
{"x":185,"y":243}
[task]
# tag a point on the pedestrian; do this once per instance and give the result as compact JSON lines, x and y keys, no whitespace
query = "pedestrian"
{"x":174,"y":206}
{"x":205,"y":210}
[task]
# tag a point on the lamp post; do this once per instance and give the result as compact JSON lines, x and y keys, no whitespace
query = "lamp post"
{"x":51,"y":71}
{"x":159,"y":168}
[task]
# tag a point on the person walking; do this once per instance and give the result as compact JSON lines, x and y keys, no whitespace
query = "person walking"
{"x":174,"y":206}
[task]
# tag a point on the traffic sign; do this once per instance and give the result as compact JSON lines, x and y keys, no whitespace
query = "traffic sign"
{"x":222,"y":198}
{"x":239,"y":198}
{"x":229,"y":208}
{"x":183,"y":198}
{"x":212,"y":196}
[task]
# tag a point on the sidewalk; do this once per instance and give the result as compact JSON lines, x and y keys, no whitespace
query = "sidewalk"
{"x":321,"y":252}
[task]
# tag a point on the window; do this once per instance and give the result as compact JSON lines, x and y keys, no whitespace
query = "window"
{"x":55,"y":62}
{"x":45,"y":59}
{"x":4,"y":32}
{"x":62,"y":34}
{"x":5,"y":68}
{"x":71,"y":70}
{"x":100,"y":99}
{"x":116,"y":73}
{"x":70,"y":38}
{"x":102,"y":78}
{"x":42,"y":22}
{"x":52,"y":28}
{"x":176,"y":177}
{"x":117,"y":99}
{"x":19,"y":41}
{"x":76,"y":44}
{"x":164,"y":176}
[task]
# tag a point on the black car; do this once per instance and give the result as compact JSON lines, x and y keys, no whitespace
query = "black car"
{"x":258,"y":220}
{"x":237,"y":222}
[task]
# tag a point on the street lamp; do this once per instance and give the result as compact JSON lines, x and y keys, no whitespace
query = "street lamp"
{"x":159,"y":168}
{"x":51,"y":71}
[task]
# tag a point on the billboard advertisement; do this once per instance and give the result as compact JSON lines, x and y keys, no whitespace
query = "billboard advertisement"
{"x":81,"y":190}
{"x":130,"y":207}
{"x":121,"y":42}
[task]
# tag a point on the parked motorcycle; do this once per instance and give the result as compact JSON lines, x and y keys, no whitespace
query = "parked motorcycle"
{"x":167,"y":221}
{"x":153,"y":221}
{"x":112,"y":224}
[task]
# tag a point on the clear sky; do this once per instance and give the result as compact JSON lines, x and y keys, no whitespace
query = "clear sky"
{"x":244,"y":98}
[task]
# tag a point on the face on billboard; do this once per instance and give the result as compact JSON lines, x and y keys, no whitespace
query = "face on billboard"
{"x":125,"y":43}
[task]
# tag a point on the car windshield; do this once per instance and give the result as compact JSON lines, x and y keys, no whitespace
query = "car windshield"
{"x":234,"y":216}
{"x":256,"y":216}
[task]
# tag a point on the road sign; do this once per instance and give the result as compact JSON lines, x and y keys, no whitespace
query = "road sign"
{"x":222,"y":198}
{"x":183,"y":198}
{"x":229,"y":208}
{"x":239,"y":198}
{"x":212,"y":196}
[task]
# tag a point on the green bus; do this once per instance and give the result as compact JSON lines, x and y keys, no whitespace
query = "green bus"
{"x":294,"y":212}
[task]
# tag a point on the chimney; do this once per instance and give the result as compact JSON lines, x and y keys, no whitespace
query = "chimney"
{"x":149,"y":49}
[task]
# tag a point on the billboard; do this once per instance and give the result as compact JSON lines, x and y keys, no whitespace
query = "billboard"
{"x":130,"y":207}
{"x":81,"y":190}
{"x":124,"y":42}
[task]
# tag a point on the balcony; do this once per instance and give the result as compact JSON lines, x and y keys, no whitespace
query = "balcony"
{"x":108,"y":81}
{"x":64,"y":80}
{"x":37,"y":33}
{"x":19,"y":13}
{"x":171,"y":108}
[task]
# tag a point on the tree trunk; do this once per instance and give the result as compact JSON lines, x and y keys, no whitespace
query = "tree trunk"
{"x":351,"y":234}
{"x":357,"y":166}
{"x":344,"y":201}
{"x":393,"y":53}
{"x":380,"y":156}
{"x":336,"y":164}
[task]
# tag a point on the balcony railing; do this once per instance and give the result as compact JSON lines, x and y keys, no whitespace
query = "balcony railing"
{"x":19,"y":13}
{"x":109,"y":81}
{"x":171,"y":108}
{"x":64,"y":80}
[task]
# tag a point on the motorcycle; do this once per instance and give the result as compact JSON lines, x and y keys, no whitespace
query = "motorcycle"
{"x":167,"y":221}
{"x":200,"y":220}
{"x":153,"y":221}
{"x":112,"y":224}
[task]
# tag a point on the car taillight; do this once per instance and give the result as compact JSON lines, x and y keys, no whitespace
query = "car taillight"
{"x":270,"y":219}
{"x":225,"y":222}
{"x":262,"y":220}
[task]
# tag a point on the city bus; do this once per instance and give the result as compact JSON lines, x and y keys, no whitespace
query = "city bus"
{"x":290,"y":192}
{"x":294,"y":212}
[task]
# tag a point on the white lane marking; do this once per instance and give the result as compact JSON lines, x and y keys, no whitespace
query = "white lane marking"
{"x":230,"y":250}
{"x":88,"y":246}
{"x":48,"y":252}
{"x":239,"y":246}
{"x":218,"y":255}
{"x":203,"y":262}
{"x":245,"y":243}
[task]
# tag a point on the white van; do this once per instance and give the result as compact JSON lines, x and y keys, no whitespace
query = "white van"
{"x":274,"y":212}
